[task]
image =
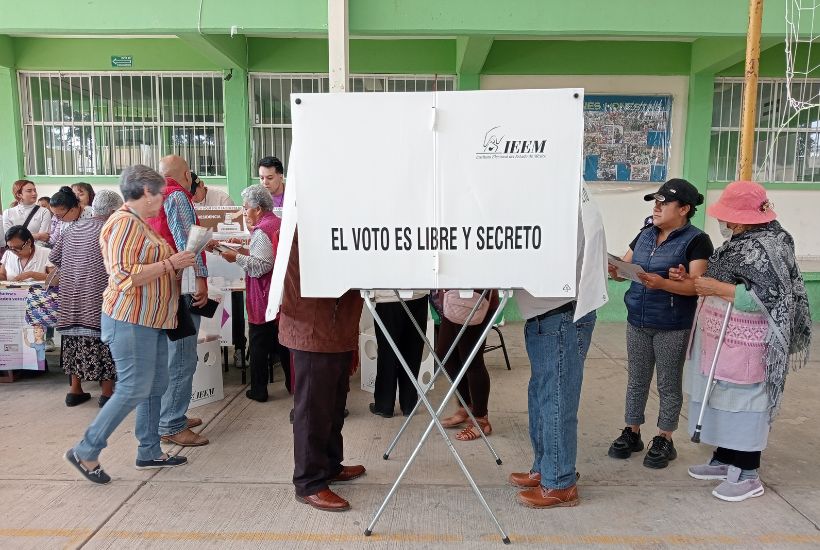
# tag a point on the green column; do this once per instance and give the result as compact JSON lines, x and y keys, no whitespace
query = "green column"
{"x":237,"y":134}
{"x":698,"y":133}
{"x":11,"y":146}
{"x":469,"y":81}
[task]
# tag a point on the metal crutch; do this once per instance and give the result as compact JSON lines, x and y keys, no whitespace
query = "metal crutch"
{"x":710,"y":382}
{"x":435,"y":422}
{"x":439,"y":370}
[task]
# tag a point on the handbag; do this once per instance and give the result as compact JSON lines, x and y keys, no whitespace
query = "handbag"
{"x":42,"y":306}
{"x":185,"y":322}
{"x":456,"y":309}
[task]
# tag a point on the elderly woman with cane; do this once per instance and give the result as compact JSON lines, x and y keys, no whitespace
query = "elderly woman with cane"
{"x":753,"y":344}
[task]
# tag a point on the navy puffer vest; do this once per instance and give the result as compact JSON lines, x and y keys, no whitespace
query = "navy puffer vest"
{"x":659,"y":309}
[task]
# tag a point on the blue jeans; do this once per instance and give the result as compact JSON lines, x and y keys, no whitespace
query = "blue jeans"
{"x":182,"y":360}
{"x":141,"y":356}
{"x":557,"y":348}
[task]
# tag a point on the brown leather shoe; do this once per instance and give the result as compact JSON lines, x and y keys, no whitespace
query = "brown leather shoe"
{"x":186,"y":438}
{"x":326,"y":501}
{"x":348,"y":473}
{"x":194,"y":422}
{"x":525,"y":480}
{"x":539,"y":497}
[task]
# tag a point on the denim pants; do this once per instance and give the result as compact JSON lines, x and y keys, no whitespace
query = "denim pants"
{"x":182,"y":360}
{"x":557,"y":348}
{"x":141,"y":356}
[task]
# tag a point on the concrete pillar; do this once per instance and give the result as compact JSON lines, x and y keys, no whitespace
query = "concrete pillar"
{"x":337,"y":40}
{"x":237,"y":134}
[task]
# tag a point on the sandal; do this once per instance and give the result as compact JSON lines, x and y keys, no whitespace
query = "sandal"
{"x":456,"y":420}
{"x":470,"y":433}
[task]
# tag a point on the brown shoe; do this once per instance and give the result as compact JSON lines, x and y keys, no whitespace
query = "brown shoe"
{"x":539,"y":497}
{"x":186,"y":438}
{"x":326,"y":501}
{"x":348,"y":473}
{"x":194,"y":422}
{"x":525,"y":480}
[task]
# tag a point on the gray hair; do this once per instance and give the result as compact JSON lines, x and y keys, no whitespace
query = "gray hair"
{"x":106,"y":201}
{"x":257,"y":195}
{"x":134,"y":180}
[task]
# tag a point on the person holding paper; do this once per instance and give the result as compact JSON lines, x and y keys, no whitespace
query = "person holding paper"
{"x":203,"y":196}
{"x":22,"y":260}
{"x":139,"y":304}
{"x":173,"y":222}
{"x":660,"y":314}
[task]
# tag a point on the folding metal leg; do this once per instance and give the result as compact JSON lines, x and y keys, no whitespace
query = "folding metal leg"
{"x":439,"y":370}
{"x":434,"y":417}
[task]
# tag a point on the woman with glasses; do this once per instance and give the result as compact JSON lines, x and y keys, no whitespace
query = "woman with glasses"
{"x":66,"y":209}
{"x":660,"y":314}
{"x":23,"y":261}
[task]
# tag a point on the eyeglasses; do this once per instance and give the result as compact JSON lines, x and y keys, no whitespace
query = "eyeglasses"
{"x":19,"y":248}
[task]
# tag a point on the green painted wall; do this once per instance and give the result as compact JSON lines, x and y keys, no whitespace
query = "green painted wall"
{"x":523,"y":57}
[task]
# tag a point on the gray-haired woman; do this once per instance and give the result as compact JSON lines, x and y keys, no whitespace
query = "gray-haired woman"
{"x":77,"y":254}
{"x":257,"y":261}
{"x":138,"y":304}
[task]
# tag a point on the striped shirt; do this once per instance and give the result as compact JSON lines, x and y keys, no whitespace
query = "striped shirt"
{"x":128,"y":244}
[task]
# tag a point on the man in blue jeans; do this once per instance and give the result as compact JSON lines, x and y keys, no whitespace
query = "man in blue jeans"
{"x":174,"y":223}
{"x":557,"y":348}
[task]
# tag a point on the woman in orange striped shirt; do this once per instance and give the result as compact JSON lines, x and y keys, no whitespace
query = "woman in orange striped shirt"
{"x":139,"y":302}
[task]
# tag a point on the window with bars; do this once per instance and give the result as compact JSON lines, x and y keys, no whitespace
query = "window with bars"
{"x":787,"y":142}
{"x":270,"y":102}
{"x":99,"y":123}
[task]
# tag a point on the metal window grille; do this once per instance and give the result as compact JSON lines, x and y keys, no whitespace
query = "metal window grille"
{"x":99,"y":123}
{"x":787,"y":142}
{"x":270,"y":102}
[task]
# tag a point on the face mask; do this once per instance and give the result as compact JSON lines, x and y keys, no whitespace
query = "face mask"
{"x":725,"y":230}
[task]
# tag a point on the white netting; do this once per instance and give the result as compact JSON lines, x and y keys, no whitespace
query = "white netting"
{"x":801,"y":35}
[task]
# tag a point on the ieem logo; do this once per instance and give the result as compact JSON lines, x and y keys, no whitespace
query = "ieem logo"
{"x":496,"y":146}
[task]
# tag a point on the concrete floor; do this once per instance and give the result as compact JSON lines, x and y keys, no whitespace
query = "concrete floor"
{"x":236,"y":492}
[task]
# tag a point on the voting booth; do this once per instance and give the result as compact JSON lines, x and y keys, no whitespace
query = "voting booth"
{"x":449,"y":190}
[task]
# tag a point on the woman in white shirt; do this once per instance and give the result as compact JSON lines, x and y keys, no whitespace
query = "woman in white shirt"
{"x":25,"y":201}
{"x":23,"y":261}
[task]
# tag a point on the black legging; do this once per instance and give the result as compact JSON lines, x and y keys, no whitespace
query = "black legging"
{"x":475,"y":386}
{"x":745,"y":460}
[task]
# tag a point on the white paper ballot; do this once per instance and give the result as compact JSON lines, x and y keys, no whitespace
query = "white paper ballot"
{"x":625,"y":269}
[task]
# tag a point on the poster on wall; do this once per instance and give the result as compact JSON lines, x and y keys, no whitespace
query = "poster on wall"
{"x":20,"y":344}
{"x":626,"y":138}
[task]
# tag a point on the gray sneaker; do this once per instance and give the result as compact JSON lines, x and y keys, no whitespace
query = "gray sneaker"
{"x":733,"y":490}
{"x":709,"y":471}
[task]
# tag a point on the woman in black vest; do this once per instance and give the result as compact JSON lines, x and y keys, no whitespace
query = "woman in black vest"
{"x":660,"y":314}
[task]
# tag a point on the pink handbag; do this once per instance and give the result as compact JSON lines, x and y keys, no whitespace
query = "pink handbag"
{"x":456,"y":309}
{"x":742,"y":358}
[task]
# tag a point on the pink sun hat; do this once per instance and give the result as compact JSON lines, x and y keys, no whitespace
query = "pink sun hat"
{"x":743,"y":202}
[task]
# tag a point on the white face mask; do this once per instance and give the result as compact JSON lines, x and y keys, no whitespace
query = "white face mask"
{"x":725,"y":230}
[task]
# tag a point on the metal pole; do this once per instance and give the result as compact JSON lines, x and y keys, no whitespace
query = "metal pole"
{"x":749,"y":115}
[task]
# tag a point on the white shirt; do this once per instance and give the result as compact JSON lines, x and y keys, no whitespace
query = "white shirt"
{"x":37,"y":263}
{"x":40,"y":223}
{"x":216,"y":197}
{"x":591,"y":268}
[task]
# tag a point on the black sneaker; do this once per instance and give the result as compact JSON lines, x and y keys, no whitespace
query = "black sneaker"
{"x":97,"y":475}
{"x":170,"y":461}
{"x":629,"y":442}
{"x":661,"y":451}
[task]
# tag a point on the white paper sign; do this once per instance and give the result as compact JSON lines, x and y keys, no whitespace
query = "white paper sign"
{"x":438,"y":190}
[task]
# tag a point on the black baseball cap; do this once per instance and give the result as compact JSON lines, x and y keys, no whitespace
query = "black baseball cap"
{"x":676,"y":189}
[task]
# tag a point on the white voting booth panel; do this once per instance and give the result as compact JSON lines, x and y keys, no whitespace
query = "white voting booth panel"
{"x":451,"y":190}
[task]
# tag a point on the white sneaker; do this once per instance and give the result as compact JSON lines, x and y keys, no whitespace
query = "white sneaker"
{"x":733,"y":490}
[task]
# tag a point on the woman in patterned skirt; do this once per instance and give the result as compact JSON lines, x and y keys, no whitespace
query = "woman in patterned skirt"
{"x":83,"y":278}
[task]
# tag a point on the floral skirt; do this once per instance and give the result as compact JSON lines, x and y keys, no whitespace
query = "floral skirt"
{"x":87,"y":358}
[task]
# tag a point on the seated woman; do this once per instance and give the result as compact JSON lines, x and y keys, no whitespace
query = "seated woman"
{"x":23,"y":261}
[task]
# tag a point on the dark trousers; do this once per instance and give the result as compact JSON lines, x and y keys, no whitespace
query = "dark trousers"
{"x":745,"y":460}
{"x":475,"y":386}
{"x":389,"y":371}
{"x":263,"y":345}
{"x":319,"y":403}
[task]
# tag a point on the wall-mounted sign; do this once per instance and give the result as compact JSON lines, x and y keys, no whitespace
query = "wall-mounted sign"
{"x":626,"y":138}
{"x":122,"y":61}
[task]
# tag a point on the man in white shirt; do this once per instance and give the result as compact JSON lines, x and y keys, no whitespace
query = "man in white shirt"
{"x":557,"y":336}
{"x":203,"y":196}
